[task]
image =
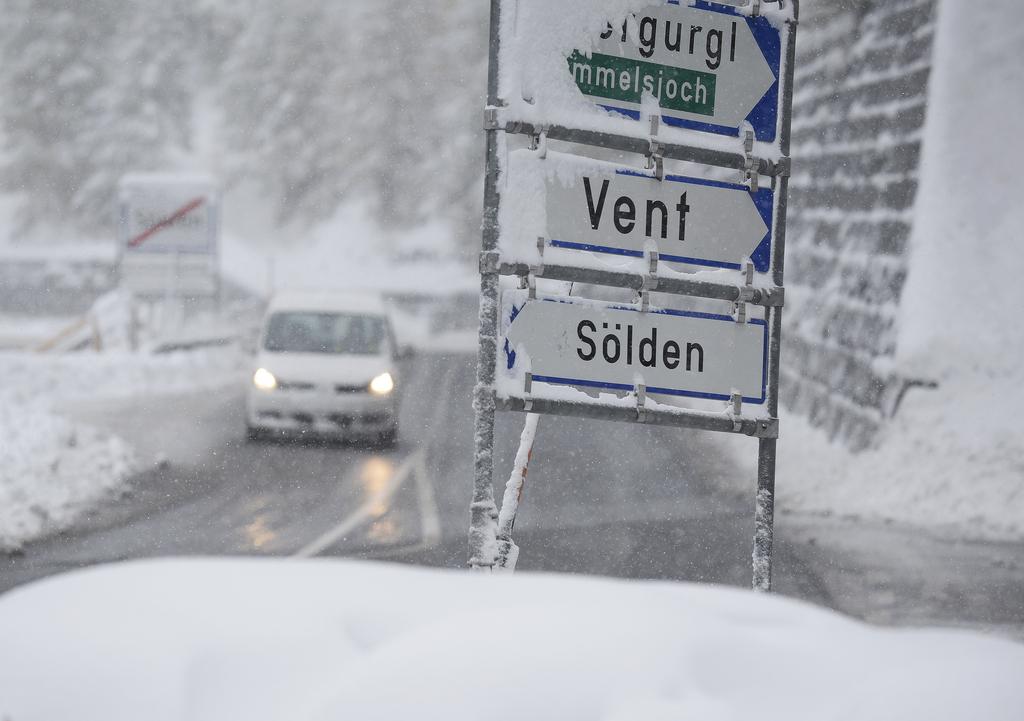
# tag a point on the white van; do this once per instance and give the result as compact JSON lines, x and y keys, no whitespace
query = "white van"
{"x":325,"y":366}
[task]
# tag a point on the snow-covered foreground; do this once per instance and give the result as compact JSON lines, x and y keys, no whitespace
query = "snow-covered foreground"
{"x":328,"y":639}
{"x":51,"y":467}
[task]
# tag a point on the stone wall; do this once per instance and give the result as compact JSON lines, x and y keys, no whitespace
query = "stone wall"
{"x":859,"y":109}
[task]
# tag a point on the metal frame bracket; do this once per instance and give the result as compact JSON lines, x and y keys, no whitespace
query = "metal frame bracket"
{"x":641,"y":403}
{"x":655,"y":159}
{"x":746,"y":292}
{"x":736,"y":410}
{"x":535,"y":271}
{"x":740,"y":312}
{"x":539,"y":142}
{"x":751,"y":163}
{"x":645,"y":301}
{"x":528,"y":391}
{"x":490,"y":262}
{"x":649,"y":281}
{"x":767,"y":428}
{"x":774,"y":297}
{"x":491,"y":118}
{"x":780,"y":3}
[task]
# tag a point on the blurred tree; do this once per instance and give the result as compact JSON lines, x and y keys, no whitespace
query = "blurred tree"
{"x":90,"y":90}
{"x":378,"y":100}
{"x":317,"y":102}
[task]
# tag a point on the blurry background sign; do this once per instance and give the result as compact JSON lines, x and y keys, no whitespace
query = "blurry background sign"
{"x":168,"y":234}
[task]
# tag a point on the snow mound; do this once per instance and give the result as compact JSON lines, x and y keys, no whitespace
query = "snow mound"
{"x":276,"y":639}
{"x":50,"y":469}
{"x":53,"y":468}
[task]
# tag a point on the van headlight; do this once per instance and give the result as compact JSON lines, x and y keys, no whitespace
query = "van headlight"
{"x":382,"y":384}
{"x":264,"y":380}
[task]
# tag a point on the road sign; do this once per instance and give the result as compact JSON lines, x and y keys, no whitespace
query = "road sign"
{"x":166,"y":213}
{"x":716,"y":67}
{"x":599,"y":345}
{"x":710,"y":67}
{"x":168,"y":231}
{"x":689,"y":220}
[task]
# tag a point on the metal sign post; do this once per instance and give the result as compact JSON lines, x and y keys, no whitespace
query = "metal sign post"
{"x":764,"y":516}
{"x":483,"y":533}
{"x":714,"y":69}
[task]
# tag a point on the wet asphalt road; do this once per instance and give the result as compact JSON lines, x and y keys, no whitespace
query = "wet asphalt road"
{"x":602,"y":498}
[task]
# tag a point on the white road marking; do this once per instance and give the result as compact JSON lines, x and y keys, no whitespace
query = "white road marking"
{"x":414,"y":464}
{"x":430,"y":519}
{"x":365,"y":512}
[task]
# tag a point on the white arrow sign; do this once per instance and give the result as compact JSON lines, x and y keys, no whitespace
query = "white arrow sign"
{"x":600,"y":345}
{"x":709,"y":67}
{"x":700,"y":222}
{"x":589,"y":205}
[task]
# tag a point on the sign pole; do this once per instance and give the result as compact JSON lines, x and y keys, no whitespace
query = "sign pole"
{"x":483,"y":531}
{"x":764,"y":514}
{"x":746,"y":373}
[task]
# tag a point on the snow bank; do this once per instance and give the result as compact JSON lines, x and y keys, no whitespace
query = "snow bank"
{"x":52,"y":468}
{"x":966,"y":478}
{"x":274,"y":639}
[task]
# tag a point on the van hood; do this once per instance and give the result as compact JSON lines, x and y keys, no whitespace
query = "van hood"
{"x":324,"y":368}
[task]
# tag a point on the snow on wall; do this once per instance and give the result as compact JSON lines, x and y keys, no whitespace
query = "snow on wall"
{"x":965,"y":251}
{"x":861,"y":91}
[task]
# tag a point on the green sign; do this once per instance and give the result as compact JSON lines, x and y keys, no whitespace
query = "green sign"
{"x":625,"y":80}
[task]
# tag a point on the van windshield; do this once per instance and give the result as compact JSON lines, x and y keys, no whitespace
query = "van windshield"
{"x":309,"y":332}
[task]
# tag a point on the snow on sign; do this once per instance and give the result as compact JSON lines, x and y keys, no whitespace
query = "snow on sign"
{"x":599,"y":345}
{"x":604,"y":208}
{"x":168,"y":213}
{"x":710,"y":67}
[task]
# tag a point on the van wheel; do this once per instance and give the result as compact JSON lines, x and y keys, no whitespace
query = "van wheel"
{"x":253,"y":434}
